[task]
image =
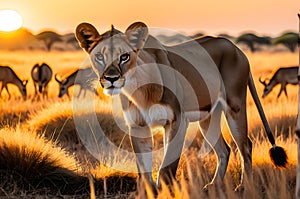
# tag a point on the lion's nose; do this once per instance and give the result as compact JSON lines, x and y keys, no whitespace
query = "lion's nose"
{"x":112,"y":78}
{"x":112,"y":74}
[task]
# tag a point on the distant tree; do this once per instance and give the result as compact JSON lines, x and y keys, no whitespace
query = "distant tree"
{"x":251,"y":40}
{"x":49,"y":38}
{"x":289,"y":40}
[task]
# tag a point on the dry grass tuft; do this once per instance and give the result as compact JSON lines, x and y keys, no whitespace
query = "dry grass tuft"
{"x":56,"y":122}
{"x":30,"y":162}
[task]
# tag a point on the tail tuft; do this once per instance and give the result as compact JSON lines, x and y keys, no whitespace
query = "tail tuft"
{"x":278,"y":157}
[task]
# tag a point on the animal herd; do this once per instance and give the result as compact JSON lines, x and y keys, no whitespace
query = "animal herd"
{"x":41,"y":75}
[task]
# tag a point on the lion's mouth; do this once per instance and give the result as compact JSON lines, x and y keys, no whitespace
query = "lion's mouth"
{"x":112,"y":91}
{"x":112,"y":85}
{"x":111,"y":88}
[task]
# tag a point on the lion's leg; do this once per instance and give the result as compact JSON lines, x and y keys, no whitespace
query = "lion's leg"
{"x":211,"y":130}
{"x":237,"y":122}
{"x":79,"y":93}
{"x":141,"y":140}
{"x":173,"y":143}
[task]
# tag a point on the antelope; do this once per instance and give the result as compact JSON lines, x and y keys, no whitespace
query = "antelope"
{"x":282,"y":76}
{"x":7,"y":75}
{"x":83,"y":80}
{"x":41,"y":76}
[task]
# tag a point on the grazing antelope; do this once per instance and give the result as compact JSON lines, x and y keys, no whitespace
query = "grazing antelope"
{"x":41,"y":76}
{"x":83,"y":80}
{"x":282,"y":76}
{"x":7,"y":75}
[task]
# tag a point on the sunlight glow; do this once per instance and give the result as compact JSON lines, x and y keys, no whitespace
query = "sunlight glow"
{"x":10,"y":20}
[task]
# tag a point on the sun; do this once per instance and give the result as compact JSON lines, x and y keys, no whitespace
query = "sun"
{"x":10,"y":20}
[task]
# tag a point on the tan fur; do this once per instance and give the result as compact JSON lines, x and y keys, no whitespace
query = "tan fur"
{"x":193,"y":81}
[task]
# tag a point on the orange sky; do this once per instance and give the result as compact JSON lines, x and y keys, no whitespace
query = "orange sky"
{"x":212,"y":16}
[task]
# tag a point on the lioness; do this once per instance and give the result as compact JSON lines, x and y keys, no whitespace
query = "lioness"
{"x":172,"y":86}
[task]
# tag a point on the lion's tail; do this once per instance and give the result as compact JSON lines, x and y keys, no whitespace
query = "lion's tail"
{"x":277,"y":153}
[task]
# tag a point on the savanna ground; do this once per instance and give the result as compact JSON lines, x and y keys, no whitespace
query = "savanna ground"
{"x":42,"y":156}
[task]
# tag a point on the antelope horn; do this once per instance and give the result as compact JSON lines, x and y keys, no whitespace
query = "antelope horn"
{"x":263,"y":82}
{"x":56,"y":78}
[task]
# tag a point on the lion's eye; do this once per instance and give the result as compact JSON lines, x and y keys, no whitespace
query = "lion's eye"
{"x":99,"y":57}
{"x":124,"y":58}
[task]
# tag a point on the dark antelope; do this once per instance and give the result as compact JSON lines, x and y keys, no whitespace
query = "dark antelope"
{"x":81,"y":77}
{"x":8,"y":76}
{"x":282,"y":76}
{"x":41,"y":76}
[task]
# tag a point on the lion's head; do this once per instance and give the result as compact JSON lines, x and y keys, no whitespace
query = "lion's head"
{"x":113,"y":53}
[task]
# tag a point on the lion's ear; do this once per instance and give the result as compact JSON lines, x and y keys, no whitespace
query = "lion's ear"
{"x":87,"y":36}
{"x":137,"y":34}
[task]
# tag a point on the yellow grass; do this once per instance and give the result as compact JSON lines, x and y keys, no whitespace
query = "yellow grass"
{"x":26,"y":122}
{"x":34,"y":143}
